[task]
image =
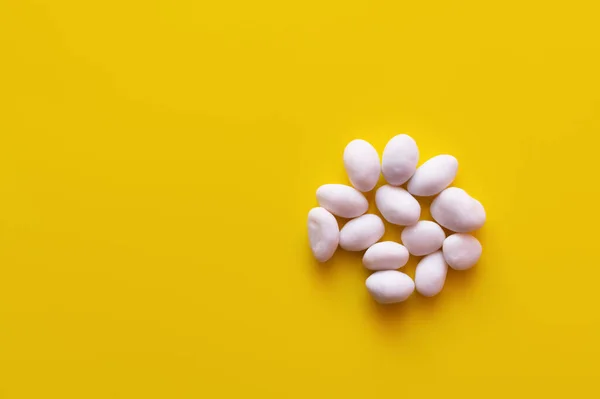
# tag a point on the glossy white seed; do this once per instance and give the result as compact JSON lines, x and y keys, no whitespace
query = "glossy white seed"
{"x":399,"y":159}
{"x":430,"y":275}
{"x":342,"y":200}
{"x":457,"y":211}
{"x":362,"y":165}
{"x":397,"y":205}
{"x":461,"y":251}
{"x":386,"y":255}
{"x":361,"y":233}
{"x":433,"y":176}
{"x":323,"y":233}
{"x":390,"y":286}
{"x":423,"y":238}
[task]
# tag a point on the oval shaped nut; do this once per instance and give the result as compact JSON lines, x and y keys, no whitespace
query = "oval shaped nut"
{"x":342,"y":200}
{"x":362,"y":164}
{"x":399,"y":159}
{"x":323,"y":233}
{"x":386,"y":255}
{"x":361,"y":233}
{"x":423,"y":238}
{"x":397,"y":206}
{"x":433,"y":176}
{"x":390,"y":286}
{"x":430,"y":275}
{"x":461,"y":251}
{"x":458,"y":211}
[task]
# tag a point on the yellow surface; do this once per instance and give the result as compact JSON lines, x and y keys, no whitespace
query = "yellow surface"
{"x":158,"y":160}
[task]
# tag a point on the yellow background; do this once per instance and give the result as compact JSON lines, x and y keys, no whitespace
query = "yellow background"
{"x":158,"y":160}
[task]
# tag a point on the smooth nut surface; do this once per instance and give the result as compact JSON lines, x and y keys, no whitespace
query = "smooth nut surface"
{"x":458,"y":211}
{"x":399,"y":159}
{"x":342,"y":200}
{"x":323,"y":233}
{"x":433,"y":176}
{"x":461,"y":251}
{"x":423,"y":238}
{"x":397,"y":206}
{"x":430,"y":275}
{"x":362,"y":165}
{"x":390,"y":286}
{"x":386,"y":255}
{"x":361,"y":233}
